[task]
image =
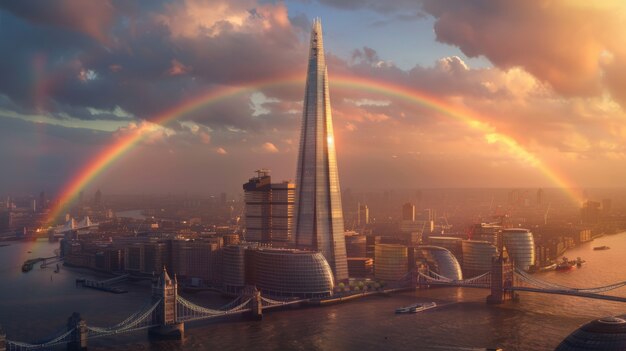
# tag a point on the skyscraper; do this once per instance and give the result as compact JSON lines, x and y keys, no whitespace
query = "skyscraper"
{"x":269,"y":209}
{"x":319,"y":217}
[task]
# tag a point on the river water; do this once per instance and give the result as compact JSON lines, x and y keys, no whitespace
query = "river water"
{"x":36,"y":304}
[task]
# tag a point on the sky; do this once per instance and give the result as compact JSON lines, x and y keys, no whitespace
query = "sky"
{"x":537,"y":89}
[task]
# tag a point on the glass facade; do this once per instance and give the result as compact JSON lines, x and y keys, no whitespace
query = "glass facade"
{"x":289,"y":273}
{"x":439,"y":260}
{"x":477,"y":257}
{"x":520,"y":245}
{"x":606,"y":334}
{"x":452,"y":244}
{"x":319,"y":217}
{"x":269,"y":209}
{"x":391,"y":261}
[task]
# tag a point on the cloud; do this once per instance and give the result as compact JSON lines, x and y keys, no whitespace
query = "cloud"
{"x":269,"y":147}
{"x":91,"y":17}
{"x":563,"y":43}
{"x":178,"y":68}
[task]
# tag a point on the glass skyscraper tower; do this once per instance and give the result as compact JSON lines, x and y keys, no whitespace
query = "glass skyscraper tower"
{"x":319,"y":217}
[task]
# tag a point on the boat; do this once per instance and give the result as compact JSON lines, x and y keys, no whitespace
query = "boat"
{"x":550,"y":267}
{"x":603,"y":247}
{"x":418,"y":307}
{"x":26,"y":267}
{"x":565,"y":265}
{"x":29,"y":252}
{"x":579,"y":262}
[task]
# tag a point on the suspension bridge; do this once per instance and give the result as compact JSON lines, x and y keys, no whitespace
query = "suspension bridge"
{"x":505,"y":280}
{"x":163,"y":316}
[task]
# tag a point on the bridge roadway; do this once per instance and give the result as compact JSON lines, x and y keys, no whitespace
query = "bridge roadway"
{"x":569,"y":293}
{"x":537,"y":286}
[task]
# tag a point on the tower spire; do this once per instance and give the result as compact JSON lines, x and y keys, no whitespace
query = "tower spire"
{"x":319,"y":217}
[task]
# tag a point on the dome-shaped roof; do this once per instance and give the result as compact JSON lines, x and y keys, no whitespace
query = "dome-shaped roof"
{"x":605,"y":334}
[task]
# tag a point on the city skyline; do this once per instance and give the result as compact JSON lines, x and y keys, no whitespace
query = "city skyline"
{"x":496,"y":118}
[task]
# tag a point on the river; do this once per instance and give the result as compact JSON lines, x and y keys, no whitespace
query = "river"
{"x":36,"y":304}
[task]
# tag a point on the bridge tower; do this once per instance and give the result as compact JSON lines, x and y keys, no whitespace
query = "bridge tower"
{"x":165,"y":291}
{"x":78,"y":339}
{"x":502,"y":275}
{"x":256,"y":304}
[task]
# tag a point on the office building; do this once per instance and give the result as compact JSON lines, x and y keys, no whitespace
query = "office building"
{"x":289,"y":273}
{"x":197,"y":262}
{"x":318,"y":216}
{"x":439,"y":260}
{"x":408,"y":212}
{"x":477,"y":257}
{"x":355,"y":245}
{"x":269,"y":209}
{"x":520,"y":245}
{"x":363,"y":215}
{"x":391,"y":261}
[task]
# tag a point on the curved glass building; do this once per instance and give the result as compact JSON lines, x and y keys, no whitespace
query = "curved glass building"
{"x":452,"y":244}
{"x":606,"y":334}
{"x":289,"y":273}
{"x":521,"y":246}
{"x":439,"y":260}
{"x":477,"y":257}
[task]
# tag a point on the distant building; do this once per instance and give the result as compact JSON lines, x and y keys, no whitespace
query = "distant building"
{"x":234,"y":267}
{"x":391,"y":261}
{"x":590,"y":212}
{"x":606,"y":206}
{"x":363,"y":215}
{"x":487,"y":232}
{"x":356,"y":245}
{"x":520,"y":245}
{"x":146,"y":257}
{"x":439,"y":260}
{"x":408,"y":212}
{"x":477,"y":257}
{"x":452,"y":244}
{"x":360,"y":267}
{"x":198,"y":262}
{"x":269,"y":209}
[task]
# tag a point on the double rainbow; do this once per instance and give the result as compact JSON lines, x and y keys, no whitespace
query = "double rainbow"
{"x":121,"y":146}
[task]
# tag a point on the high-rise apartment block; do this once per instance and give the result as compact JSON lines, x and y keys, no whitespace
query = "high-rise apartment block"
{"x":269,"y":209}
{"x":363,"y":215}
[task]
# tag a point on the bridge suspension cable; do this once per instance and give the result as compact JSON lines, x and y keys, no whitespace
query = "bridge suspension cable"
{"x":16,"y":345}
{"x":548,"y":285}
{"x":138,"y":320}
{"x":189,"y":311}
{"x":439,"y":279}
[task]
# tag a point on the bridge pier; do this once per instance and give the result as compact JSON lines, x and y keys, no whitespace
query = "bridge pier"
{"x":165,"y":290}
{"x":502,"y":275}
{"x":3,"y":340}
{"x":78,"y":339}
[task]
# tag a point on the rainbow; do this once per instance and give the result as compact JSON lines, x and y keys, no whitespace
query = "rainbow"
{"x":112,"y":153}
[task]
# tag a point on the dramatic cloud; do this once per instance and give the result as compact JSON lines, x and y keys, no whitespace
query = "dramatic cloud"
{"x":91,"y":17}
{"x":574,"y":46}
{"x":553,"y":92}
